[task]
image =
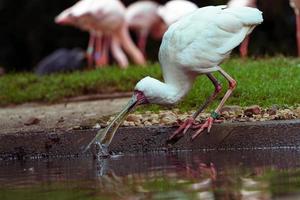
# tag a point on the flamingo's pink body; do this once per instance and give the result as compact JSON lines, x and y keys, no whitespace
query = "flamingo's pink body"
{"x":236,"y":3}
{"x":296,"y":6}
{"x":171,"y":12}
{"x":141,"y":17}
{"x":242,"y":3}
{"x":105,"y":20}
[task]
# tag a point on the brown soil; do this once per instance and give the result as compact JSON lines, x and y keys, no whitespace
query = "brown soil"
{"x":36,"y":117}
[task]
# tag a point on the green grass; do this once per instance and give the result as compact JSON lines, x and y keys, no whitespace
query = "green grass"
{"x":266,"y":82}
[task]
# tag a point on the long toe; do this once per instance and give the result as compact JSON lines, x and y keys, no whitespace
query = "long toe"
{"x":181,"y":131}
{"x":207,"y":125}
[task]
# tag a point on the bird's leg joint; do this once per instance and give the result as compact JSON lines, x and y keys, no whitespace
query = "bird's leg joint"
{"x":232,"y":84}
{"x":218,"y":88}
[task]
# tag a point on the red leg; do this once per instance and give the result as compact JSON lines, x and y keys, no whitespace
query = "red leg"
{"x":118,"y":53}
{"x":142,"y":40}
{"x":101,"y":54}
{"x":90,"y":50}
{"x":98,"y":50}
{"x":190,"y":122}
{"x":208,"y":124}
{"x":244,"y":47}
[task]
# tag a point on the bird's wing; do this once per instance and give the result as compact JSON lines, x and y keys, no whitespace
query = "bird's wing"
{"x":239,"y":21}
{"x":209,"y":34}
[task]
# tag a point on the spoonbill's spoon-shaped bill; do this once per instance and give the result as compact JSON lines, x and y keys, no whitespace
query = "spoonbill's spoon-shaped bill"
{"x":105,"y":136}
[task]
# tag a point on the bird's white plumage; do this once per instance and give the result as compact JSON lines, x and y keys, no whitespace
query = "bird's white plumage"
{"x":175,"y":9}
{"x":197,"y":44}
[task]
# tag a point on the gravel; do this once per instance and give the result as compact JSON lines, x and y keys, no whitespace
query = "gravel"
{"x":228,"y":114}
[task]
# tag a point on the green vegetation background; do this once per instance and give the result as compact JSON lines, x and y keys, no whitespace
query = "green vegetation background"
{"x":266,"y":82}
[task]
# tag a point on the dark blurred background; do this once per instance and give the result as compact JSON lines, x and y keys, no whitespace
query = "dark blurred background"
{"x":28,"y":32}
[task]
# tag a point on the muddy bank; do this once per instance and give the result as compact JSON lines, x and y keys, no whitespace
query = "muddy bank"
{"x":226,"y":136}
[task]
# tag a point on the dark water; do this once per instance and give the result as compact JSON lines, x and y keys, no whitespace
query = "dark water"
{"x":259,"y":174}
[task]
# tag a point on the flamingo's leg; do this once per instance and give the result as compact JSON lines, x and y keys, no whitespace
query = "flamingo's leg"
{"x":101,"y":54}
{"x":192,"y":120}
{"x":118,"y":53}
{"x":98,"y":50}
{"x":142,"y":41}
{"x":216,"y":113}
{"x":244,"y":47}
{"x":129,"y":46}
{"x":90,"y":50}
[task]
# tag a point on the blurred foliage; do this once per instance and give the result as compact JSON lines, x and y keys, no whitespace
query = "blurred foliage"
{"x":28,"y":32}
{"x":260,"y":81}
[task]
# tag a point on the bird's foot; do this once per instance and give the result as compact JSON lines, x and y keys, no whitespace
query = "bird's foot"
{"x":207,"y":124}
{"x":181,"y":131}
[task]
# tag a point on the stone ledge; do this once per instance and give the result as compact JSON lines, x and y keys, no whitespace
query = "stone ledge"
{"x":226,"y":136}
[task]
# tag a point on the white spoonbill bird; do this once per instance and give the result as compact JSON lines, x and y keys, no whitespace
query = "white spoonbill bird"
{"x":195,"y":45}
{"x":241,"y":3}
{"x":296,"y":5}
{"x":105,"y":19}
{"x":141,"y":17}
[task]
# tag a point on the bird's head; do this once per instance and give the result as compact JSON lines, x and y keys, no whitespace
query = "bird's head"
{"x":149,"y":91}
{"x":65,"y":18}
{"x":154,"y":91}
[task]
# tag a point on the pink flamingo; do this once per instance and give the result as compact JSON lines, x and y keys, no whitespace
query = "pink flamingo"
{"x":296,"y":5}
{"x":169,"y":13}
{"x":141,"y":17}
{"x":173,"y":10}
{"x":69,"y":17}
{"x":238,"y":3}
{"x":105,"y":20}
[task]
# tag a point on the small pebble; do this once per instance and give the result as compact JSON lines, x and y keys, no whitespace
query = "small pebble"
{"x":32,"y":121}
{"x":252,"y":110}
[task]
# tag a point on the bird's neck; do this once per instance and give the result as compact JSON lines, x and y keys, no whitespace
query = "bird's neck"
{"x":179,"y":80}
{"x":170,"y":93}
